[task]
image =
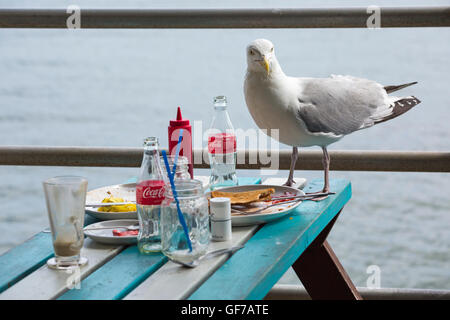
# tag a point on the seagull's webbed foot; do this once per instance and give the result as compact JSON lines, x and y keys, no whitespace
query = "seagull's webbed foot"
{"x":289,"y":183}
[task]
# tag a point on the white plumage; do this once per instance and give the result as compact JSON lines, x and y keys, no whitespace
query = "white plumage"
{"x":314,"y":111}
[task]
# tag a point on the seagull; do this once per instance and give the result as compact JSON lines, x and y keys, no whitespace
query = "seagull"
{"x":305,"y":112}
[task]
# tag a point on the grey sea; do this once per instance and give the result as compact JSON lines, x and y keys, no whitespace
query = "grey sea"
{"x":115,"y":87}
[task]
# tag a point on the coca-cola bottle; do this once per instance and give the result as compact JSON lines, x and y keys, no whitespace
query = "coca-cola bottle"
{"x":222,"y":147}
{"x":149,"y":195}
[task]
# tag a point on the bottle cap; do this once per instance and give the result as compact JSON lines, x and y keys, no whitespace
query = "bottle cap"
{"x":179,"y":121}
{"x":220,"y":209}
{"x":150,"y":141}
{"x":220,"y":103}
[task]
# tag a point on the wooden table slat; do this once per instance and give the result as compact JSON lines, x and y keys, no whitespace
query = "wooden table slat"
{"x":27,"y":257}
{"x":46,"y":283}
{"x":175,"y":282}
{"x":22,"y":260}
{"x":116,"y":278}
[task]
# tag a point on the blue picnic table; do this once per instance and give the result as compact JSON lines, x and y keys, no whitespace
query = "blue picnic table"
{"x":121,"y":272}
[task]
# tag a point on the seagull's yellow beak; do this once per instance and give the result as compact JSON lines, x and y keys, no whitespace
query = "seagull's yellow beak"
{"x":266,"y":64}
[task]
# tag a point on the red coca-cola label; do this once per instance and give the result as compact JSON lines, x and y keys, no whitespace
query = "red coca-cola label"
{"x":150,"y":192}
{"x":222,"y":143}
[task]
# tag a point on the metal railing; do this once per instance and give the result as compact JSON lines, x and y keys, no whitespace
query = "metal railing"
{"x":402,"y":161}
{"x":391,"y":17}
{"x":295,"y":292}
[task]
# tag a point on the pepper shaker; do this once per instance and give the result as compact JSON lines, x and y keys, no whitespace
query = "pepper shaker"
{"x":220,"y":219}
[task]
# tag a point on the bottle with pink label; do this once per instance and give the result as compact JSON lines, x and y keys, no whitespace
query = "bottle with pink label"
{"x":222,"y":147}
{"x":149,"y":195}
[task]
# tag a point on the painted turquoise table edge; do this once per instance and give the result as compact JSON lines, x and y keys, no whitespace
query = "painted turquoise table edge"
{"x":251,"y":272}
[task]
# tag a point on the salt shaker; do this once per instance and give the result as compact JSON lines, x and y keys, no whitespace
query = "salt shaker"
{"x":220,"y":219}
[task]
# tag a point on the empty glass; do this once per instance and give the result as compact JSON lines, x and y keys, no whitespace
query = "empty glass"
{"x":194,"y":206}
{"x":66,"y":198}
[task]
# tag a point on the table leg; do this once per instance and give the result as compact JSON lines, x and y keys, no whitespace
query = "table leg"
{"x":321,"y":273}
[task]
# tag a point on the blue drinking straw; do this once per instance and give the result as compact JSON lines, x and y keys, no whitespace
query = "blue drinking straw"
{"x":174,"y":192}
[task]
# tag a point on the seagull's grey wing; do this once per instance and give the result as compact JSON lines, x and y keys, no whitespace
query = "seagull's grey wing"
{"x":339,"y":105}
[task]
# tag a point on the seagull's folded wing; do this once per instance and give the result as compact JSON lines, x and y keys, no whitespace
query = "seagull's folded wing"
{"x":340,"y":104}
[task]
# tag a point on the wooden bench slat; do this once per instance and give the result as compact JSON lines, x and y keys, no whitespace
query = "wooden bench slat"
{"x":251,"y":272}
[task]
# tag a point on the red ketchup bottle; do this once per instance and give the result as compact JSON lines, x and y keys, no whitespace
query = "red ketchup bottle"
{"x":186,"y":142}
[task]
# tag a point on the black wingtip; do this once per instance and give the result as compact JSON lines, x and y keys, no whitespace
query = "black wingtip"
{"x":399,"y":107}
{"x":390,"y":89}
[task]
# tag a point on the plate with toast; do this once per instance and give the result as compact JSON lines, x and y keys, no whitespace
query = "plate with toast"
{"x":248,"y":202}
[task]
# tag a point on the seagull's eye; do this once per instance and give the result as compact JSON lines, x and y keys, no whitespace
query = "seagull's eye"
{"x":252,"y":52}
{"x":271,"y":50}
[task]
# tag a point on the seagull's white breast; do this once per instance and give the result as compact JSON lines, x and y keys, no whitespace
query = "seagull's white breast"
{"x":273,"y":104}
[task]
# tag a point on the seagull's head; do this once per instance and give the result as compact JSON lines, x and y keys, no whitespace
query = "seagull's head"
{"x":261,"y":56}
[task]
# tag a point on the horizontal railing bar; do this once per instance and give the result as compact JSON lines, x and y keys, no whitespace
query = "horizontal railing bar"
{"x":298,"y":292}
{"x":227,"y":18}
{"x":354,"y":160}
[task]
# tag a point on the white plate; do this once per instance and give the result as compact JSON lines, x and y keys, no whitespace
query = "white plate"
{"x":125,"y":191}
{"x":259,"y":218}
{"x":106,"y":235}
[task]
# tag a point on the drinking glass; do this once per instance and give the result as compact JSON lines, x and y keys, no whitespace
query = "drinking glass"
{"x":194,"y":207}
{"x":66,"y":198}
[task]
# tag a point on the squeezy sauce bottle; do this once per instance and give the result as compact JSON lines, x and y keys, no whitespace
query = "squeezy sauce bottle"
{"x":186,"y":142}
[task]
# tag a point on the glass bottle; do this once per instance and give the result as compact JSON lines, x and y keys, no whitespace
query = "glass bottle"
{"x":149,"y":195}
{"x":182,"y":169}
{"x":222,"y":147}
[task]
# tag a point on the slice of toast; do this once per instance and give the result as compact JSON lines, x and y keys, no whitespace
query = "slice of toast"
{"x":244,"y":197}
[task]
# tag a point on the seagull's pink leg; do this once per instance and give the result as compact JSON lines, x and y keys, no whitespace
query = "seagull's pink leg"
{"x":294,"y":156}
{"x":326,"y":169}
